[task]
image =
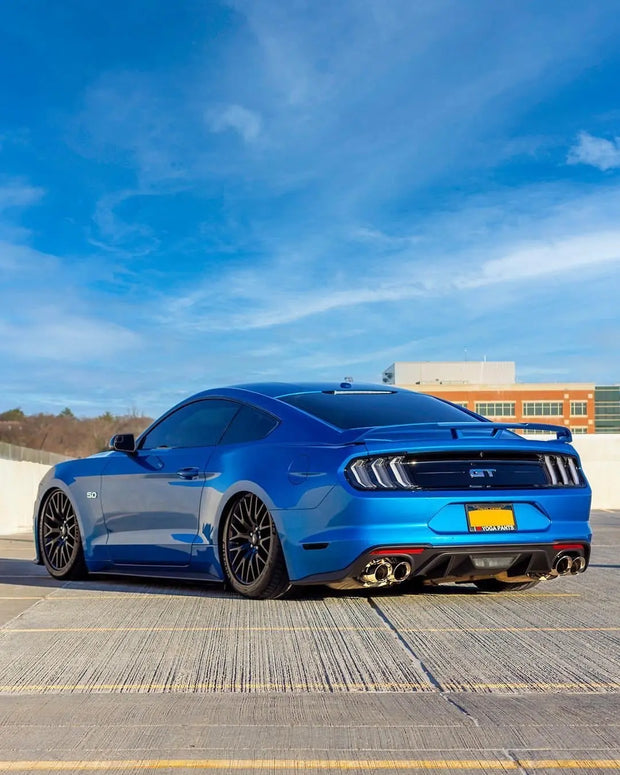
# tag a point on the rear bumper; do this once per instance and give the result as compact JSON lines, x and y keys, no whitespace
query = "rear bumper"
{"x":329,"y":540}
{"x":469,"y":562}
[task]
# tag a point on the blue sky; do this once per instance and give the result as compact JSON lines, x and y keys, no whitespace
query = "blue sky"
{"x":203,"y":193}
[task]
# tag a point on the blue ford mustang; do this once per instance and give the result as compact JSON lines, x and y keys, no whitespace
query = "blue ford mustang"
{"x":268,"y":485}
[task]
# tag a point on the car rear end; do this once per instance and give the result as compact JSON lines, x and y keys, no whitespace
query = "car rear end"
{"x":447,"y":501}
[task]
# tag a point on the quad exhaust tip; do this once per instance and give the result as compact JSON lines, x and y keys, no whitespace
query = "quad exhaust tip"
{"x":566,"y":563}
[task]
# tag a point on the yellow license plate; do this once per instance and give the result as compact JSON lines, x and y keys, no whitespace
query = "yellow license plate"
{"x":492,"y":518}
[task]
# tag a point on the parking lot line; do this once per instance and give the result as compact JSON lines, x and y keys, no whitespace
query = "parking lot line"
{"x":299,"y":765}
{"x":272,"y":686}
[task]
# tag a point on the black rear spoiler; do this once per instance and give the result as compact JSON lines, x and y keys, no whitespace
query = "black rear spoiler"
{"x":456,"y":428}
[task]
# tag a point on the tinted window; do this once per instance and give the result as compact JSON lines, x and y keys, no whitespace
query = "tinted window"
{"x":249,"y":424}
{"x":351,"y":410}
{"x":195,"y":425}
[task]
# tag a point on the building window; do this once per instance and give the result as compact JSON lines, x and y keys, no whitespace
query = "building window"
{"x":607,"y":408}
{"x":496,"y":408}
{"x":578,"y":408}
{"x":543,"y":408}
{"x":579,"y":429}
{"x":461,"y":403}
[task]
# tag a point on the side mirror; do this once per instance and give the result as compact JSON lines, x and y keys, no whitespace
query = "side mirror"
{"x":123,"y":442}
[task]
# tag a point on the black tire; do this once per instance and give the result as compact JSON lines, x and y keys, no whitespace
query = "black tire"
{"x":251,"y":551}
{"x":494,"y":585}
{"x":59,"y":538}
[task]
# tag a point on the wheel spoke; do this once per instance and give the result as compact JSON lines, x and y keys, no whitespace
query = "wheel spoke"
{"x":237,"y":534}
{"x":251,"y":574}
{"x":240,"y":519}
{"x":240,"y":560}
{"x":55,"y":554}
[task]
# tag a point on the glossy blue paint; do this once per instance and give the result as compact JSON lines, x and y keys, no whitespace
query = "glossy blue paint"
{"x":160,"y":510}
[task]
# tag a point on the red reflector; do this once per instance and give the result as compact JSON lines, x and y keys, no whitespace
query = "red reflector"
{"x":577,"y":547}
{"x":399,"y":550}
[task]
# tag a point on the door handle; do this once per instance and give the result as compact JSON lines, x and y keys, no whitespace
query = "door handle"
{"x":188,"y":473}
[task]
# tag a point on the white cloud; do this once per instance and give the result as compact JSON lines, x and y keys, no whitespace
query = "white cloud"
{"x":550,"y":257}
{"x":19,"y":194}
{"x":63,"y":337}
{"x":25,"y":261}
{"x":246,"y":123}
{"x":113,"y":233}
{"x":596,"y":151}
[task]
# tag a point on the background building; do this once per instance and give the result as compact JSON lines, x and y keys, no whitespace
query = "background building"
{"x":490,"y":388}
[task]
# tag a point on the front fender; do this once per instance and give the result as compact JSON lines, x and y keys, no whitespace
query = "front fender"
{"x":80,"y":481}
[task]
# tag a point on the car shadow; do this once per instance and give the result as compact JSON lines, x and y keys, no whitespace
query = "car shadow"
{"x":24,"y":572}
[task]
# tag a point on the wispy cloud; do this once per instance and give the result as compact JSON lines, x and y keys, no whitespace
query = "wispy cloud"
{"x":246,"y":123}
{"x":595,"y":151}
{"x":438,"y":264}
{"x":557,"y":257}
{"x":54,"y":334}
{"x":113,"y":233}
{"x":18,"y":194}
{"x":127,"y":120}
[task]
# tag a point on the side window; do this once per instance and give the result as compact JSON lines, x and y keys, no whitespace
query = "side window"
{"x":198,"y":424}
{"x":249,"y":424}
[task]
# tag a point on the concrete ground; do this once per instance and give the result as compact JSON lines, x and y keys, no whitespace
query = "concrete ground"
{"x":110,"y":675}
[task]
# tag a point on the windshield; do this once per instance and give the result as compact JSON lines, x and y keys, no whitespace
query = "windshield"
{"x":366,"y":410}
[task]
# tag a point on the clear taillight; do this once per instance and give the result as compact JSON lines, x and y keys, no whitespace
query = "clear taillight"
{"x":379,"y":473}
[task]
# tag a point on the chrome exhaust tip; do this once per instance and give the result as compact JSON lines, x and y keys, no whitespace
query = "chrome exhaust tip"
{"x":402,"y":571}
{"x":383,"y":571}
{"x":563,"y":564}
{"x":578,"y":566}
{"x":376,"y":573}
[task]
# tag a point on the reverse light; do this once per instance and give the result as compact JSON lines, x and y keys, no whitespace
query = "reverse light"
{"x":493,"y":563}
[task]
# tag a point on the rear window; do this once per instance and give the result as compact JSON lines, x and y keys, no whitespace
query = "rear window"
{"x":365,"y":410}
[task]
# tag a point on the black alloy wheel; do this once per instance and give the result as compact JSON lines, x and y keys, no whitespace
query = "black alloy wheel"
{"x":495,"y":585}
{"x":251,"y":551}
{"x":60,"y":543}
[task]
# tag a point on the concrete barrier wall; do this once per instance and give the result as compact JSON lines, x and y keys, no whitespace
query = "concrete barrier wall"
{"x":19,"y":481}
{"x":600,"y":457}
{"x":14,"y":452}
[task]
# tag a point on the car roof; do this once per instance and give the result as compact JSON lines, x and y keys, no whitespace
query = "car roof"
{"x":279,"y":389}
